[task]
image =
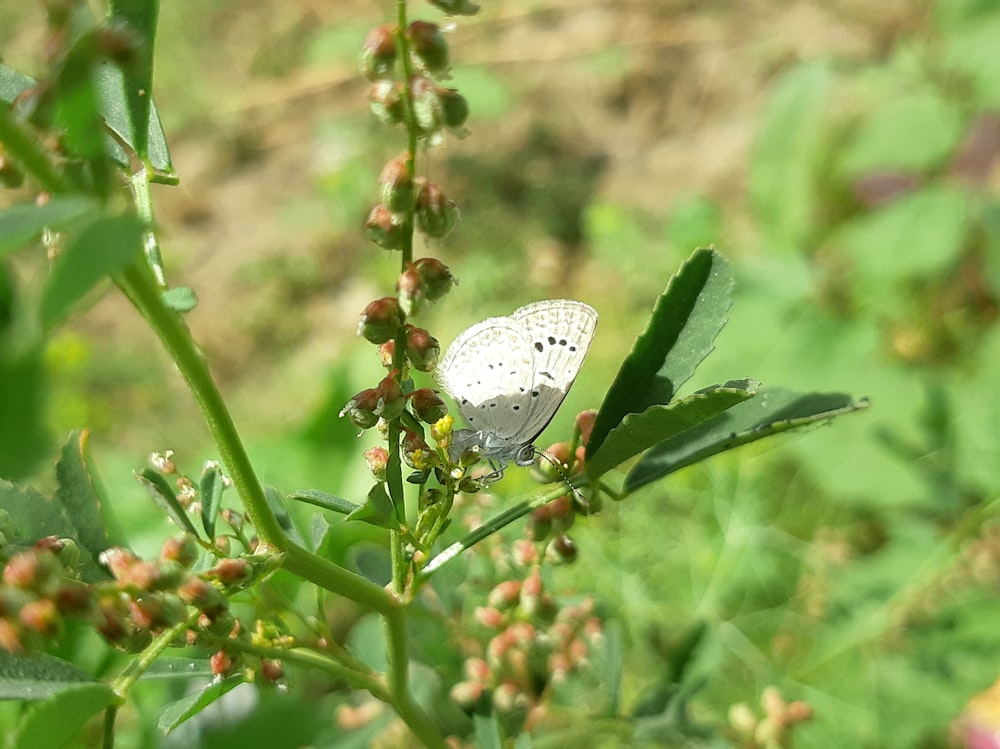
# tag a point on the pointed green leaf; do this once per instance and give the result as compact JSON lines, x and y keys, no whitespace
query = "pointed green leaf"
{"x":187,"y":707}
{"x":487,"y":733}
{"x":52,"y":722}
{"x":277,"y":504}
{"x":210,"y":488}
{"x":12,"y":83}
{"x":79,"y":495}
{"x":178,"y":667}
{"x":377,"y":509}
{"x":139,"y":18}
{"x":24,"y":436}
{"x":771,"y":412}
{"x":324,"y":500}
{"x":681,"y":331}
{"x":639,"y":432}
{"x":101,"y":249}
{"x":25,"y":222}
{"x":163,"y":495}
{"x":35,"y":677}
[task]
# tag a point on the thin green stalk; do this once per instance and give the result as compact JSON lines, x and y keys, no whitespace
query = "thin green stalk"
{"x":143,"y":199}
{"x":131,"y":673}
{"x":110,"y":715}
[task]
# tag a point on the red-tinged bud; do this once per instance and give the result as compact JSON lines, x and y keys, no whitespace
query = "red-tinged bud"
{"x":40,"y":616}
{"x":229,"y":571}
{"x":507,"y":698}
{"x":157,"y":611}
{"x":24,"y":571}
{"x":584,"y":424}
{"x":539,"y":525}
{"x":498,"y":647}
{"x":396,"y":187}
{"x":772,"y":702}
{"x":456,"y":7}
{"x":140,"y":576}
{"x":378,"y":53}
{"x":181,"y":549}
{"x":454,"y":108}
{"x":385,"y":99}
{"x":437,"y":277}
{"x":72,"y":597}
{"x":476,"y":669}
{"x":489,"y":617}
{"x":51,"y":544}
{"x":117,"y":560}
{"x":505,"y":595}
{"x":387,"y":354}
{"x":220,"y":625}
{"x":558,"y":667}
{"x":222,"y":544}
{"x":163,"y":462}
{"x":427,"y":405}
{"x":429,"y":46}
{"x":561,"y":550}
{"x":381,"y":320}
{"x":436,"y":215}
{"x":385,"y":228}
{"x":416,"y":452}
{"x":524,"y":552}
{"x":391,"y":399}
{"x":234,"y":519}
{"x":377,"y":459}
{"x":426,"y":104}
{"x":468,"y":694}
{"x":578,"y":652}
{"x":221,"y":663}
{"x":10,"y":638}
{"x":362,"y":409}
{"x":798,"y":712}
{"x":271,"y":670}
{"x":523,"y":633}
{"x":422,"y":349}
{"x":411,"y":292}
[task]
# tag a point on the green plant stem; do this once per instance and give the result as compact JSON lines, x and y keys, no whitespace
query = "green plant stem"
{"x":108,"y":727}
{"x":403,"y":45}
{"x":143,"y":199}
{"x":131,"y":673}
{"x":22,"y":145}
{"x":399,"y":687}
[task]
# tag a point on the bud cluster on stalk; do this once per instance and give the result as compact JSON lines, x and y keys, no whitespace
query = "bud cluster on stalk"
{"x":530,"y":641}
{"x":775,"y":728}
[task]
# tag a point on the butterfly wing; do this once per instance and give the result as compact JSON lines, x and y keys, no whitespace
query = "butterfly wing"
{"x":487,"y":370}
{"x":559,"y":333}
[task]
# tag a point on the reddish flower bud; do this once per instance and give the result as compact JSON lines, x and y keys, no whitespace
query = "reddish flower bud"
{"x":507,"y":698}
{"x":378,"y":53}
{"x":584,"y":424}
{"x":117,"y":560}
{"x":221,"y":662}
{"x":362,"y":409}
{"x":422,"y":349}
{"x":202,"y":595}
{"x":561,"y":550}
{"x":410,"y":288}
{"x":40,"y":616}
{"x":427,"y":406}
{"x":429,"y":46}
{"x":387,"y":353}
{"x":505,"y":595}
{"x":381,"y":320}
{"x":489,"y":617}
{"x":72,"y":597}
{"x":385,"y":99}
{"x":391,"y":399}
{"x":24,"y":570}
{"x":156,"y":611}
{"x":396,"y":185}
{"x":454,"y":108}
{"x":436,"y":215}
{"x":524,"y":552}
{"x":229,"y":571}
{"x":416,"y":452}
{"x":180,"y":549}
{"x":436,"y":276}
{"x":467,"y":694}
{"x":139,"y":576}
{"x":426,"y":105}
{"x":377,"y":459}
{"x":385,"y":228}
{"x":271,"y":670}
{"x":476,"y":669}
{"x":10,"y":638}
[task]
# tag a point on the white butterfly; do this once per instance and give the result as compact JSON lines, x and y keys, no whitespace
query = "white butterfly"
{"x":509,"y":375}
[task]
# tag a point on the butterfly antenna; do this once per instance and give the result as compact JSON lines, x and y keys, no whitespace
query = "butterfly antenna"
{"x":565,"y":477}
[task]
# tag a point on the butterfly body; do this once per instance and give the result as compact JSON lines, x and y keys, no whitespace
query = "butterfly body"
{"x":509,"y":375}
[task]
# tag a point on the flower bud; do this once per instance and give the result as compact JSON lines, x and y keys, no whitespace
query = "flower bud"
{"x":437,"y":277}
{"x":229,"y":571}
{"x":427,"y":406}
{"x":426,"y":105}
{"x":410,"y":288}
{"x":387,"y":353}
{"x":385,"y":99}
{"x":436,"y":215}
{"x":180,"y":549}
{"x":429,"y":46}
{"x":391,"y":400}
{"x":381,"y":320}
{"x":378,"y":53}
{"x":396,"y":187}
{"x":377,"y":459}
{"x":584,"y":424}
{"x":524,"y":552}
{"x":489,"y":617}
{"x":416,"y":452}
{"x":507,"y":698}
{"x":453,"y":107}
{"x":41,"y":616}
{"x":26,"y":570}
{"x":561,"y":550}
{"x":468,"y":694}
{"x":385,"y":228}
{"x":10,"y":638}
{"x":156,"y":611}
{"x":271,"y":670}
{"x":505,"y":595}
{"x":203,"y":596}
{"x":362,"y":409}
{"x":422,"y":349}
{"x":221,"y":663}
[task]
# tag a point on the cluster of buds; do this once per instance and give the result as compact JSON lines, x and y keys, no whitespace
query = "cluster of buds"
{"x":774,"y":729}
{"x":532,"y":642}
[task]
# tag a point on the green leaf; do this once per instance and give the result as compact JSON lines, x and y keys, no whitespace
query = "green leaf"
{"x":79,"y":495}
{"x":377,"y":509}
{"x":783,"y":168}
{"x":103,"y":248}
{"x":771,"y":412}
{"x":187,"y":707}
{"x":911,"y":133}
{"x":277,"y":504}
{"x":12,"y":83}
{"x":36,"y":677}
{"x":25,"y":222}
{"x":973,"y":53}
{"x":324,"y":500}
{"x":180,"y":298}
{"x":487,"y":733}
{"x":139,"y":17}
{"x":685,"y":321}
{"x":638,"y":432}
{"x":211,"y":487}
{"x":52,"y":722}
{"x":24,"y":436}
{"x":165,"y":498}
{"x":178,"y":667}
